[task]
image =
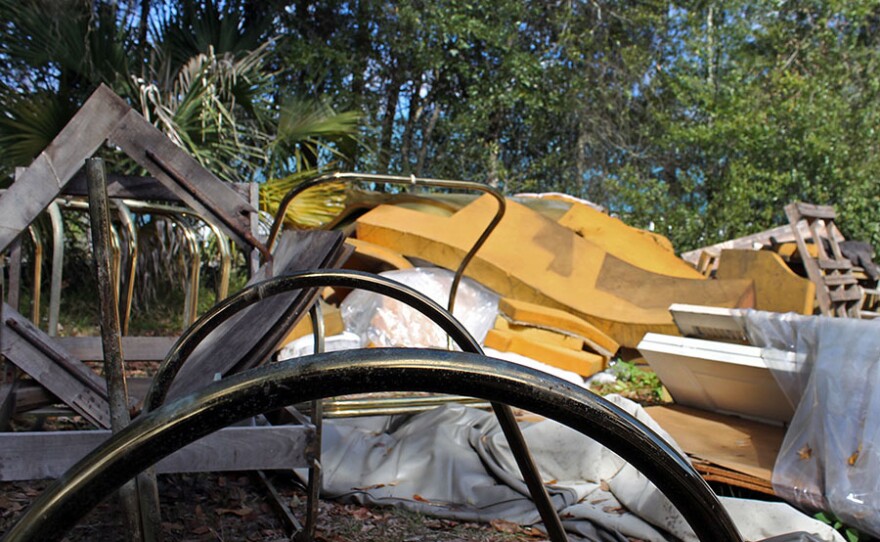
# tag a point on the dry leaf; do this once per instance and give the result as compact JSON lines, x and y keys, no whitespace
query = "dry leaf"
{"x":854,"y":457}
{"x":805,"y":453}
{"x":240,"y":512}
{"x":504,"y":526}
{"x":361,"y":513}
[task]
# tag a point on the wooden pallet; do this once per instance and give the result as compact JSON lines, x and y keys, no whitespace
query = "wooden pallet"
{"x":837,"y":289}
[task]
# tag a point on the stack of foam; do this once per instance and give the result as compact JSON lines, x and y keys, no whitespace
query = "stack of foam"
{"x":551,"y":336}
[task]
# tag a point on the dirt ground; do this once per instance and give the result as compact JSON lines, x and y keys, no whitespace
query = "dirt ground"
{"x":238,"y":507}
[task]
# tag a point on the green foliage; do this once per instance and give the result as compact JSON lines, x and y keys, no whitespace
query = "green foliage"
{"x":204,"y":72}
{"x":633,"y":382}
{"x":851,"y":535}
{"x":704,"y":118}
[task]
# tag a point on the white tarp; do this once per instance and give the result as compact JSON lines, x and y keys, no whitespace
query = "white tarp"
{"x":454,"y":462}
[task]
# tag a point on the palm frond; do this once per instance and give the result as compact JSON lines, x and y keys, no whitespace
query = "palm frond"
{"x":308,"y":128}
{"x":28,"y":124}
{"x":207,"y":109}
{"x":313,"y":208}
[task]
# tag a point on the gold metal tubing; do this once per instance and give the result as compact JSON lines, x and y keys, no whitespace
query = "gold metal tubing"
{"x":38,"y":273}
{"x":131,"y":234}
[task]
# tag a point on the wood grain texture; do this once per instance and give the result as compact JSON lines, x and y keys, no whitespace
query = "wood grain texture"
{"x":40,"y":183}
{"x":133,"y":348}
{"x":48,"y":454}
{"x":57,"y":379}
{"x":216,"y":199}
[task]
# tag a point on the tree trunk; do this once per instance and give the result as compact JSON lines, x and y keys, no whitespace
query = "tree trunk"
{"x":361,"y":50}
{"x":392,"y":96}
{"x":426,"y":140}
{"x":143,"y":25}
{"x":415,"y":113}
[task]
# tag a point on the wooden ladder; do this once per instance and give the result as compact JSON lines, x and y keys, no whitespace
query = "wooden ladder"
{"x":837,"y":290}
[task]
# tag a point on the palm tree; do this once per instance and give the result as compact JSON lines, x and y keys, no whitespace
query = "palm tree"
{"x":202,"y":76}
{"x":198,"y":70}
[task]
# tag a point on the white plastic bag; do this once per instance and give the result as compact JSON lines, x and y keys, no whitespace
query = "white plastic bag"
{"x":382,"y":321}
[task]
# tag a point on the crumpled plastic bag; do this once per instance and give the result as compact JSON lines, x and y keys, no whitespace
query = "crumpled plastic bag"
{"x":385,"y":322}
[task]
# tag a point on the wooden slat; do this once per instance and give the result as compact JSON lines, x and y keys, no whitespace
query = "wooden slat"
{"x":830,"y":265}
{"x":820,"y":212}
{"x":29,"y":395}
{"x":716,"y":473}
{"x":793,"y":214}
{"x":84,"y":399}
{"x":840,"y":280}
{"x":223,"y":349}
{"x":7,"y":403}
{"x":133,"y":348}
{"x":844,"y":296}
{"x":14,"y":291}
{"x":222,"y":205}
{"x":40,"y":183}
{"x":836,"y":286}
{"x":48,"y":454}
{"x":124,"y":186}
{"x":141,"y":188}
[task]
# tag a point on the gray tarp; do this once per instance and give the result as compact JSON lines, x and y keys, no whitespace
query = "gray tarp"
{"x":454,"y":462}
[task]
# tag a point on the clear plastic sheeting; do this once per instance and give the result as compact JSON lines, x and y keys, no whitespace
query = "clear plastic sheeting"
{"x":305,"y":346}
{"x":382,"y":321}
{"x":830,"y":457}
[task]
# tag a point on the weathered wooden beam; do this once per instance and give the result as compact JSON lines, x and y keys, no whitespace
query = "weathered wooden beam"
{"x":14,"y":289}
{"x":264,"y":325}
{"x":142,"y":188}
{"x":38,"y":355}
{"x":125,"y":186}
{"x":185,"y":177}
{"x":135,"y":348}
{"x":7,"y":403}
{"x":48,"y":454}
{"x":43,"y":180}
{"x":30,"y":395}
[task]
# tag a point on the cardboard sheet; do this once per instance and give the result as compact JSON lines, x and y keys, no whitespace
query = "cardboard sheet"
{"x":737,"y":444}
